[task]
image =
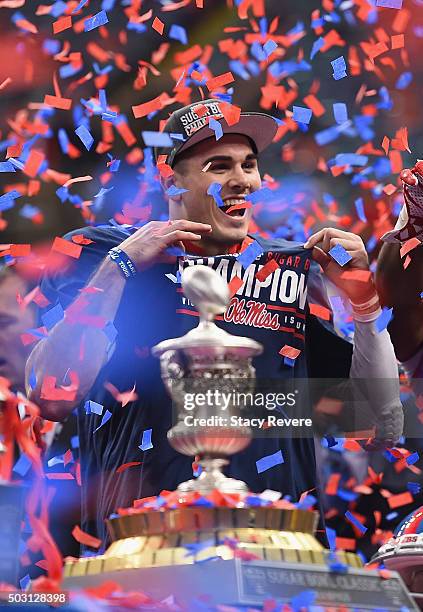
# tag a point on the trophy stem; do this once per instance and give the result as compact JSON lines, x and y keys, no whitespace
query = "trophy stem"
{"x":212,"y":478}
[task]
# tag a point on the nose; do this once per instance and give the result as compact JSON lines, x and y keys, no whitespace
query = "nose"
{"x":239,"y":180}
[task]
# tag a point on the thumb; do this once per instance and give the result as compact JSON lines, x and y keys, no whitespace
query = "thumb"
{"x":321,"y":257}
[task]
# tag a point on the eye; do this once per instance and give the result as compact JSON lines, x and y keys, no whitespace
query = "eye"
{"x":219,"y":167}
{"x":250,"y":165}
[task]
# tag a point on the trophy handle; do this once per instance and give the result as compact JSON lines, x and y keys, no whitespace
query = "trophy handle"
{"x":172,"y":368}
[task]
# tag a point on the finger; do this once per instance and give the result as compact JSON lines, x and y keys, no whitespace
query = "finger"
{"x":408,"y":177}
{"x":348,"y":245}
{"x":321,"y":257}
{"x":178,"y":236}
{"x":184,"y":224}
{"x":325,"y":235}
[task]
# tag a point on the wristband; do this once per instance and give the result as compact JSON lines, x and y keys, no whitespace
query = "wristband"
{"x":368,"y":317}
{"x":372,"y":302}
{"x":124,"y":262}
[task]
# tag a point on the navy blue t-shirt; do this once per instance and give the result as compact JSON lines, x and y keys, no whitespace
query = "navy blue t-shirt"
{"x":153,"y":308}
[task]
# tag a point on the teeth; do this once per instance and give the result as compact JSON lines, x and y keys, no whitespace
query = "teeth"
{"x":234,"y":202}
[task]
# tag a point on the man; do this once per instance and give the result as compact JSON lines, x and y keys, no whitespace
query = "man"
{"x":400,"y":282}
{"x":128,"y":277}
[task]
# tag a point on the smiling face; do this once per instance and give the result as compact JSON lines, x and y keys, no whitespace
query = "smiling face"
{"x":231,"y":162}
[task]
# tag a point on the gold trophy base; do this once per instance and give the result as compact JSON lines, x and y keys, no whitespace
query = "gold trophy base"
{"x":189,"y":535}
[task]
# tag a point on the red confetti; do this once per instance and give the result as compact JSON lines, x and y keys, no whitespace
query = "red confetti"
{"x":33,"y":163}
{"x":401,"y":499}
{"x":125,"y":466}
{"x":63,"y":23}
{"x":220,"y":81}
{"x":320,"y":311}
{"x":67,"y":248}
{"x":235,"y":284}
{"x":289,"y":351}
{"x":85,"y":538}
{"x":142,"y":110}
{"x":158,"y":25}
{"x":270,"y":267}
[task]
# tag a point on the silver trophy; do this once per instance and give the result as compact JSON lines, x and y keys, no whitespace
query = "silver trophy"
{"x":206,"y":372}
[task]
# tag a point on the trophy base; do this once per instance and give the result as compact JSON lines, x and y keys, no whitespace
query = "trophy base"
{"x":211,"y":478}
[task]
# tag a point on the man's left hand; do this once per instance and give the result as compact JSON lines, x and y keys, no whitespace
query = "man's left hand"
{"x":323,"y":241}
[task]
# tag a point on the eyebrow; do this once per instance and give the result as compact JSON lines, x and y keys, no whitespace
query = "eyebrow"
{"x":210,"y":160}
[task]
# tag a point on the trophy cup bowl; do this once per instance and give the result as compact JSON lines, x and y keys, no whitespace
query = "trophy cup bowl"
{"x":208,"y":363}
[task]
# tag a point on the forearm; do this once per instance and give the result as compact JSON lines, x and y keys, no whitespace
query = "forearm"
{"x":400,"y":289}
{"x":375,"y":365}
{"x":75,"y":346}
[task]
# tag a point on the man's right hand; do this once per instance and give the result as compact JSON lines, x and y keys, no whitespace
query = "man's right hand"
{"x":147,"y":246}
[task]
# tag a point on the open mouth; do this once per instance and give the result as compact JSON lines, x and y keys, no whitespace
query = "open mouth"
{"x":235,"y":207}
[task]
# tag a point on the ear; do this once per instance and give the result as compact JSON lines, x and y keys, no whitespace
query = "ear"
{"x":166,"y":183}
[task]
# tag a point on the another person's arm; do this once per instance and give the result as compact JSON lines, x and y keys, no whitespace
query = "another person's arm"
{"x":82,"y":348}
{"x":373,"y":358}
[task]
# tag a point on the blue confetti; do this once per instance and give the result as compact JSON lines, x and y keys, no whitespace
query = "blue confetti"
{"x":95,"y":21}
{"x":413,"y":458}
{"x":80,"y":5}
{"x":195,"y":547}
{"x":359,"y":206}
{"x":7,"y":200}
{"x":340,"y":112}
{"x":74,"y":442}
{"x":106,"y":417}
{"x":383,"y":319}
{"x":340,"y":255}
{"x":157,"y":139}
{"x":260,"y":195}
{"x":391,"y":516}
{"x":339,"y":68}
{"x":303,"y":600}
{"x":395,"y":4}
{"x":269,"y":47}
{"x":84,"y":135}
{"x":22,"y":466}
{"x":331,"y":536}
{"x":178,"y":32}
{"x":53,"y":316}
{"x":7,"y":166}
{"x":352,"y":519}
{"x":335,"y":564}
{"x":55,"y":460}
{"x":114,"y":166}
{"x":389,"y":456}
{"x":214,"y":191}
{"x":317,"y":45}
{"x":251,"y":253}
{"x":92,"y":407}
{"x":174,"y":191}
{"x":351,"y":159}
{"x":146,"y":443}
{"x":216,"y":127}
{"x":24,"y":582}
{"x":302,"y":114}
{"x":404,"y":80}
{"x":289,"y":362}
{"x":32,"y":380}
{"x":269,"y":461}
{"x":414,"y":487}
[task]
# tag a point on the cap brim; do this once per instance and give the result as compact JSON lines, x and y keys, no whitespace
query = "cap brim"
{"x":261,"y":128}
